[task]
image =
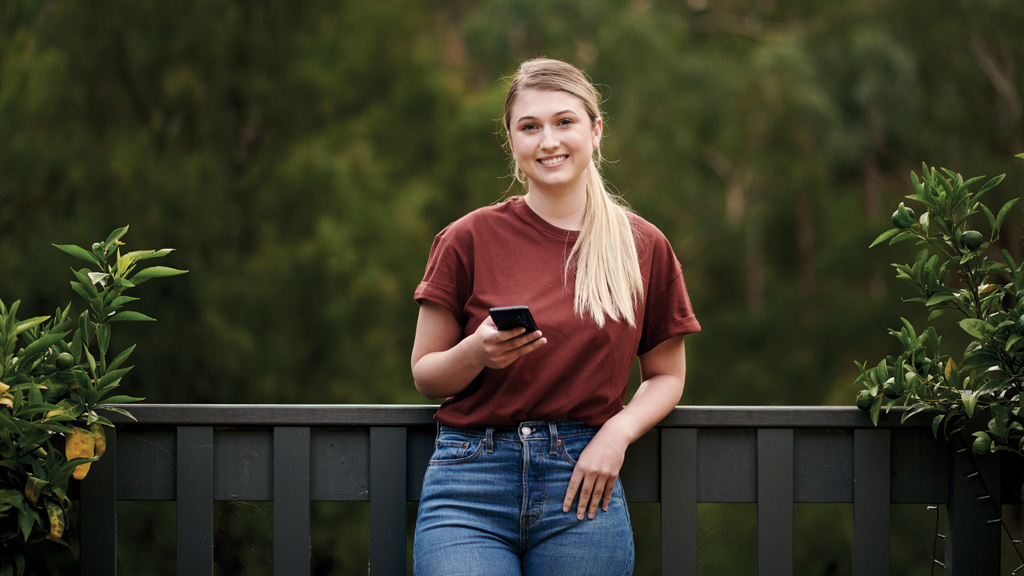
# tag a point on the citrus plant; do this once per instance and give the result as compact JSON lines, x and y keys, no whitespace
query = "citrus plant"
{"x":955,"y":273}
{"x":56,"y":374}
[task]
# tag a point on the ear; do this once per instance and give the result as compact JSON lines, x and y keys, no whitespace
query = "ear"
{"x":598,"y":128}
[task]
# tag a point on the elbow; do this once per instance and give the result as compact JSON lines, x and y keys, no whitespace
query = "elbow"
{"x":428,"y":391}
{"x":425,"y":385}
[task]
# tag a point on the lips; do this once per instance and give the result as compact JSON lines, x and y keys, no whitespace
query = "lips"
{"x":553,"y":160}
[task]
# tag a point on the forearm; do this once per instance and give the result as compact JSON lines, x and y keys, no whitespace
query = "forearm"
{"x":654,"y":400}
{"x":445,"y":373}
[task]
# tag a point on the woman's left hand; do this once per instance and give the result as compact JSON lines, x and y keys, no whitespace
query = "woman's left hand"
{"x":595,"y":474}
{"x":663,"y":373}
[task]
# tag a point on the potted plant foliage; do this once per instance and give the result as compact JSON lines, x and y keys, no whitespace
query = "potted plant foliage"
{"x":956,"y":272}
{"x":57,"y":375}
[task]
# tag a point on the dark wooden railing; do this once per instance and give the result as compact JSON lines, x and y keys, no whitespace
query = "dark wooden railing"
{"x":774,"y":457}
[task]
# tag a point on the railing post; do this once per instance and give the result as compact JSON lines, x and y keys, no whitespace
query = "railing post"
{"x":291,"y":501}
{"x":679,"y":502}
{"x":98,"y":507}
{"x":195,"y":500}
{"x":387,"y":501}
{"x":973,"y":513}
{"x":775,"y":502}
{"x":871,"y":501}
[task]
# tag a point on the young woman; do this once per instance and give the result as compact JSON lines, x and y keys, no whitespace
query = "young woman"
{"x":532,"y":432}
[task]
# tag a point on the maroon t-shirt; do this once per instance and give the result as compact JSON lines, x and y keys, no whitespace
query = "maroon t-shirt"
{"x":507,"y":255}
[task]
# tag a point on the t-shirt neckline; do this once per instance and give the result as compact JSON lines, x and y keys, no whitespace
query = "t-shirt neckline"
{"x":523,"y":210}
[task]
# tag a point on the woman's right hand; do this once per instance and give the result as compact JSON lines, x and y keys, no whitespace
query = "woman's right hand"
{"x":444,"y":363}
{"x":499,"y":348}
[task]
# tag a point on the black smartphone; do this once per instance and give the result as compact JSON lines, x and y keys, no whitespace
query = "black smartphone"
{"x":509,"y":317}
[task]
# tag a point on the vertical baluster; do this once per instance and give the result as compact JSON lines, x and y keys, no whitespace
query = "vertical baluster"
{"x":291,"y":501}
{"x":871,"y":498}
{"x":775,"y":501}
{"x":387,"y":501}
{"x":195,"y":500}
{"x":972,"y":529}
{"x":679,"y":502}
{"x":98,"y":543}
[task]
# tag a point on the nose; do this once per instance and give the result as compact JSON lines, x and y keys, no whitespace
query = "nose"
{"x":549,"y":141}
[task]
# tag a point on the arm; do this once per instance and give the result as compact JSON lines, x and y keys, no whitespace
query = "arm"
{"x":663,"y":375}
{"x":444,"y":363}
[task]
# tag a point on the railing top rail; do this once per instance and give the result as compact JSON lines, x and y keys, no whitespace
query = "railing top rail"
{"x":417,"y":415}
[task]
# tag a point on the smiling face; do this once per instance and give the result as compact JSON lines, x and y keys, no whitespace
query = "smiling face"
{"x":553,"y":140}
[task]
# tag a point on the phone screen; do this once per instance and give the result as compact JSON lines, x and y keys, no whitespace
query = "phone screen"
{"x":509,"y":317}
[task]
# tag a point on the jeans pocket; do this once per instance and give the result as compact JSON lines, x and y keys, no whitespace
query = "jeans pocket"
{"x":570,"y":447}
{"x":451,"y":452}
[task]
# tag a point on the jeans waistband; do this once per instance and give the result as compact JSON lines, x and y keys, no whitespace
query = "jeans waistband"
{"x":539,"y":428}
{"x":525,"y":431}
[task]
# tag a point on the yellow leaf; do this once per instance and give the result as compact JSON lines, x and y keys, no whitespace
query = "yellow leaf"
{"x":81,"y":444}
{"x":33,"y":488}
{"x":100,"y":438}
{"x":56,"y":516}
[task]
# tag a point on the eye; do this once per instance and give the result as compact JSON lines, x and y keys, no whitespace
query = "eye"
{"x":565,"y":122}
{"x":529,"y":127}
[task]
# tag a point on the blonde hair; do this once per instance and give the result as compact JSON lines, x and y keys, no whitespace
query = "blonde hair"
{"x":608,"y":280}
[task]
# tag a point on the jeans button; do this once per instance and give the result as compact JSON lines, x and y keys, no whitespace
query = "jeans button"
{"x":527,"y":430}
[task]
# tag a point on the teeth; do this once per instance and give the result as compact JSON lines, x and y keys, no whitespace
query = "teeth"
{"x":550,"y":161}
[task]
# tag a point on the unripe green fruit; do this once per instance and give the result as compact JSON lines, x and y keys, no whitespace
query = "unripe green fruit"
{"x":972,"y":240}
{"x":64,"y":361}
{"x":865,"y":400}
{"x":903,"y":217}
{"x":891,"y":389}
{"x":982,"y":445}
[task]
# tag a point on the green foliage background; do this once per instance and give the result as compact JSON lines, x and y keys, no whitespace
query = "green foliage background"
{"x":301,"y":156}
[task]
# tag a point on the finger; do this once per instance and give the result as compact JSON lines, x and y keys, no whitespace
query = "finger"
{"x":608,"y":495}
{"x":585,"y":491}
{"x":570,"y":494}
{"x":595,"y":499}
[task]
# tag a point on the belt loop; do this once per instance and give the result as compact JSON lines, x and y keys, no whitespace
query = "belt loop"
{"x":553,"y":429}
{"x":489,"y":442}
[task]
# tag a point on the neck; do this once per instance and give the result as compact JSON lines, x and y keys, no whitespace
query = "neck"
{"x":565,"y":212}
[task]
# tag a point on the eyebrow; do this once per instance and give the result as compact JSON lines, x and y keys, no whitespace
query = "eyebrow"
{"x":562,"y":113}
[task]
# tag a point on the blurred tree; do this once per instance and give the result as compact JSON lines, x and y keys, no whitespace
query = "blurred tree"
{"x":302,"y":156}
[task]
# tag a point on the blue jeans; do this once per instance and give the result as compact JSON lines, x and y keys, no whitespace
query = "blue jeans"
{"x":491,"y":505}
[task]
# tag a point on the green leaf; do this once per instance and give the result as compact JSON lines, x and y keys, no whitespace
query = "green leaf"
{"x":116,"y":410}
{"x":1004,"y":211}
{"x":905,"y":235}
{"x":1011,"y":341}
{"x":121,"y":358}
{"x":147,"y":254}
{"x":130,"y":316}
{"x":103,"y":338}
{"x":81,"y":291}
{"x":41,"y":344}
{"x":29,"y":324}
{"x":78,"y":252}
{"x":112,"y":376}
{"x":875,"y":407}
{"x":939,"y":298}
{"x":121,"y":301}
{"x":155,"y":272}
{"x":988,"y":215}
{"x":992,"y":183}
{"x":970,"y":400}
{"x":116,"y":235}
{"x":977,"y":328}
{"x":885,"y":236}
{"x":979,"y":359}
{"x":122,"y":399}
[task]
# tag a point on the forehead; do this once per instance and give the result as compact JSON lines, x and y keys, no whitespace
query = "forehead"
{"x":532,"y":103}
